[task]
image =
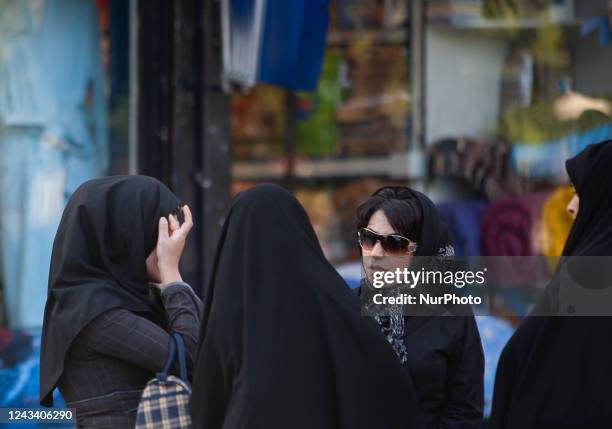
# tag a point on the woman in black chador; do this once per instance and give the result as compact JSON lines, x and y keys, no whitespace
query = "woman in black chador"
{"x":282,"y":343}
{"x":400,"y":226}
{"x":556,"y":371}
{"x":105,"y":331}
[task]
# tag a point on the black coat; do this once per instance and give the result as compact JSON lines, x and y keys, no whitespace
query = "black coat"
{"x":555,"y":370}
{"x":446,"y":362}
{"x":283,"y":344}
{"x":443,"y":353}
{"x":447,"y":366}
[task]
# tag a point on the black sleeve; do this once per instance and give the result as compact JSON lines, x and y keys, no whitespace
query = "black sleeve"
{"x":184,"y":310}
{"x":465,"y":403}
{"x":122,"y":334}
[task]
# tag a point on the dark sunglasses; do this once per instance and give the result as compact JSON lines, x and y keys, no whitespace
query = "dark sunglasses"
{"x":392,"y":243}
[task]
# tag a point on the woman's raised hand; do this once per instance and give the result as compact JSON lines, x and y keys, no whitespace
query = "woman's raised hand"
{"x":170,"y":244}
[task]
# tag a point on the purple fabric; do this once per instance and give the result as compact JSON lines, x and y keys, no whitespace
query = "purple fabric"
{"x":510,"y":227}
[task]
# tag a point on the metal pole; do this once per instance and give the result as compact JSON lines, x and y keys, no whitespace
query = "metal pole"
{"x":417,"y":51}
{"x":133,"y":98}
{"x":214,"y":176}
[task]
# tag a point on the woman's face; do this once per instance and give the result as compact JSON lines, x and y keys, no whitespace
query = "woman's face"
{"x":377,"y":258}
{"x":379,"y":224}
{"x":572,"y":207}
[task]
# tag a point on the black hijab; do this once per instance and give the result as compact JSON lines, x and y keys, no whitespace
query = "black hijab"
{"x":434,"y":242}
{"x":434,"y":246}
{"x":433,"y":237}
{"x":107,"y":230}
{"x":555,"y":371}
{"x":283,"y":343}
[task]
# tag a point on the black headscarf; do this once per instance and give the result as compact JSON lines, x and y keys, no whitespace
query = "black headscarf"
{"x":434,"y":246}
{"x":107,"y":230}
{"x":282,"y":342}
{"x":555,"y":371}
{"x":434,"y":239}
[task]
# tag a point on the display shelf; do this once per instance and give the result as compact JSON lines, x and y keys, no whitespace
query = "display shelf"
{"x":396,"y":165}
{"x":501,"y":24}
{"x":311,"y":168}
{"x":345,"y":37}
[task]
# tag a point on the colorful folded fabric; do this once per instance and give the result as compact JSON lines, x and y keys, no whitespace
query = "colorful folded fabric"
{"x":463,"y":221}
{"x":511,"y":228}
{"x":482,"y":163}
{"x":316,"y":131}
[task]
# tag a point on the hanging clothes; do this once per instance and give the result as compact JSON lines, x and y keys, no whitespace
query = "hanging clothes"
{"x":283,"y":343}
{"x":52,"y":135}
{"x":463,"y":221}
{"x":481,"y":163}
{"x":555,"y":371}
{"x":511,"y":227}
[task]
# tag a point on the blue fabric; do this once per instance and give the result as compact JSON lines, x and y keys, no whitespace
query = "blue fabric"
{"x":463,"y":221}
{"x":51,"y":98}
{"x":547,"y":160}
{"x":601,"y":23}
{"x":47,"y":69}
{"x":494,"y":334}
{"x":293,"y":43}
{"x":32,"y":197}
{"x":20,"y":387}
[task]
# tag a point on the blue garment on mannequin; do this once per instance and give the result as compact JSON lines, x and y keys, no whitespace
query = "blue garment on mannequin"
{"x":47,"y":69}
{"x":33,"y":197}
{"x":51,"y":86}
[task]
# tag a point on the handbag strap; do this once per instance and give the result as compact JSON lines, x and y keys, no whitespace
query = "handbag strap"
{"x":176,"y":343}
{"x":180,"y":346}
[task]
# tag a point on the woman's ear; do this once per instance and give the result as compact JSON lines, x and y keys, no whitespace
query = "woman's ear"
{"x":573,"y":206}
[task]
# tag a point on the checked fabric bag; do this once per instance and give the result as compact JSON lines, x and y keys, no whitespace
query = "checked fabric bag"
{"x":164,"y":403}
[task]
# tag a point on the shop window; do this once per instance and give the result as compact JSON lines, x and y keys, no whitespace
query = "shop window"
{"x":64,"y":92}
{"x":334,"y":146}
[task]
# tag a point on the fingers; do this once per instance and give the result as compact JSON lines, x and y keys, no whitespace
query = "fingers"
{"x":174,"y":223}
{"x":163,"y":230}
{"x":188,"y":224}
{"x":187,"y":213}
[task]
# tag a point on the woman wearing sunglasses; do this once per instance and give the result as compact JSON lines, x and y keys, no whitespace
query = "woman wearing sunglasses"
{"x":443,"y":353}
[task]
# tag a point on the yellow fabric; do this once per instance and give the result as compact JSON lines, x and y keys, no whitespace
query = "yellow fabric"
{"x":556,"y":224}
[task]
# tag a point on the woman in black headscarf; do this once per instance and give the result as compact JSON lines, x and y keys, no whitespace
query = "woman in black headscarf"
{"x":442,"y":352}
{"x":555,"y":371}
{"x":283,"y":343}
{"x":105,"y":330}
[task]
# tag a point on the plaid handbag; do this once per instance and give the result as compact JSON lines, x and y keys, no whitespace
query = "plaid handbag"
{"x":164,"y":403}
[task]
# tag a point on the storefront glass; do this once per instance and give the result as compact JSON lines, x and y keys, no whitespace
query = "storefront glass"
{"x":510,"y":90}
{"x":63,"y":120}
{"x":333,"y":147}
{"x":531,"y":74}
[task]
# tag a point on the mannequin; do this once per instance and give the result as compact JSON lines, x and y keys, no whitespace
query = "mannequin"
{"x":52,"y":136}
